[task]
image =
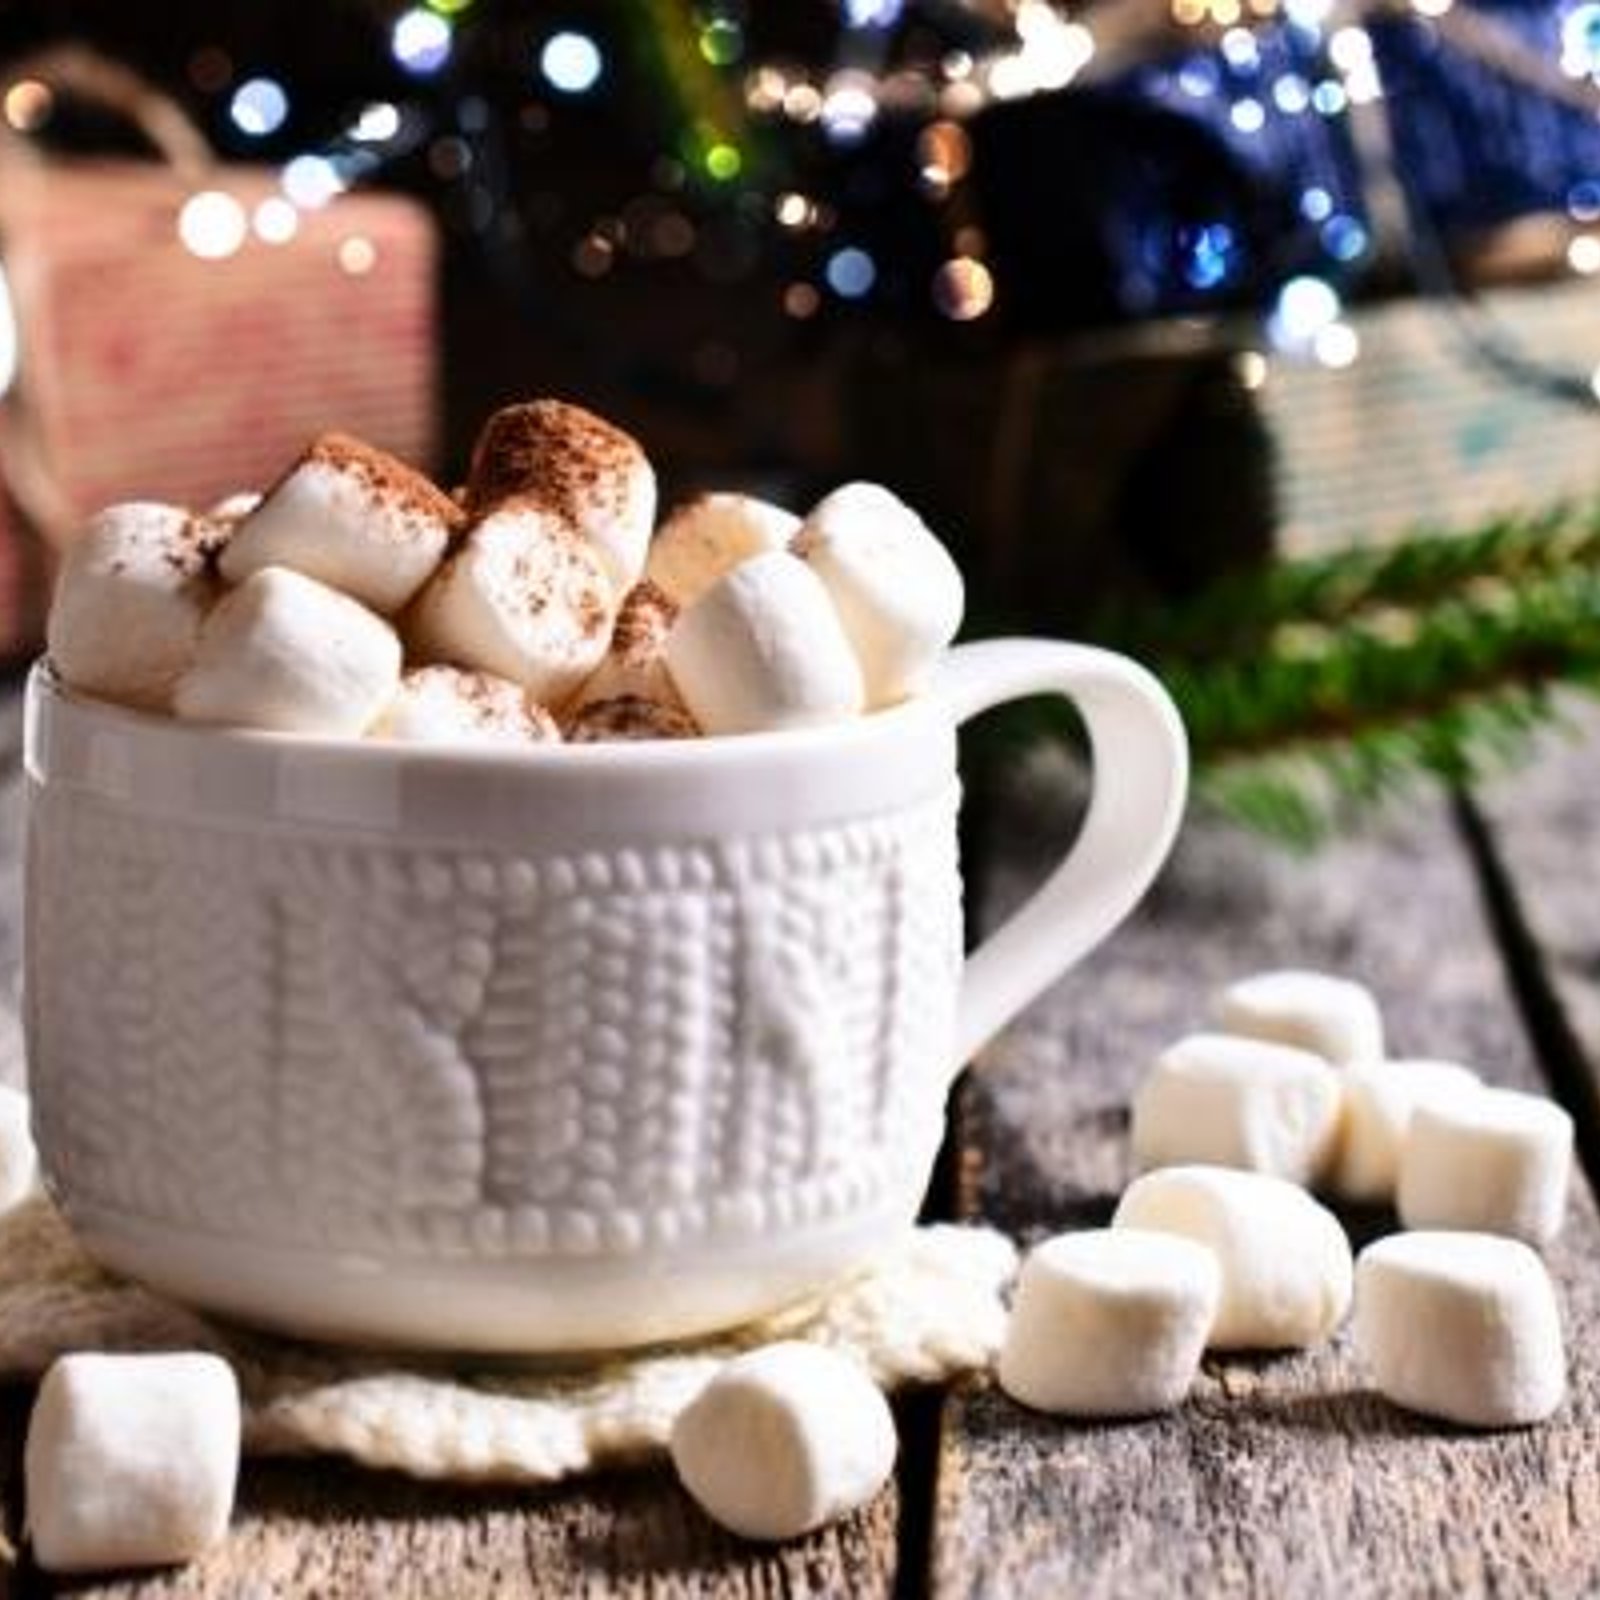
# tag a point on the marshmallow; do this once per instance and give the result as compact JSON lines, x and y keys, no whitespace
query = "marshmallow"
{"x":783,"y":1439}
{"x":629,"y":717}
{"x":233,"y":508}
{"x":586,"y":471}
{"x":1285,"y":1260}
{"x":131,"y":1460}
{"x":286,"y":653}
{"x":133,"y":590}
{"x":1109,"y":1323}
{"x":763,"y":648}
{"x":1336,"y":1018}
{"x":1238,"y":1103}
{"x":524,"y":597}
{"x":896,"y":589}
{"x":1462,"y":1326}
{"x":1490,"y":1162}
{"x":352,"y":517}
{"x":633,"y":664}
{"x":1379,"y":1100}
{"x":19,"y":1162}
{"x":451,"y":705}
{"x":710,"y":536}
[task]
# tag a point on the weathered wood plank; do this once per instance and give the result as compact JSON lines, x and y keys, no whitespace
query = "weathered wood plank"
{"x":336,"y":1532}
{"x":1282,"y":1477}
{"x":1543,"y":841}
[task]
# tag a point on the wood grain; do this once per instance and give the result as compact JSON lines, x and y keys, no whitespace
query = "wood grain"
{"x":330,"y":1531}
{"x":1542,"y":835}
{"x":1282,"y":1477}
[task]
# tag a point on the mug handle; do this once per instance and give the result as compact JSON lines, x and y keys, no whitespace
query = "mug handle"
{"x":1141,"y":767}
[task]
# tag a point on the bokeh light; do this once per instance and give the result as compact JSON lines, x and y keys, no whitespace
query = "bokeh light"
{"x":963,"y":289}
{"x":259,"y":107}
{"x":872,"y":13}
{"x":571,"y":62}
{"x":28,"y":104}
{"x":1583,"y":254}
{"x":851,"y":273}
{"x":1251,"y":367}
{"x":1248,"y":115}
{"x":212,"y":225}
{"x":849,"y":107}
{"x":724,"y":162}
{"x":1580,"y":42}
{"x":1305,"y":306}
{"x":358,"y":255}
{"x":722,"y":41}
{"x":378,"y":123}
{"x":275,"y":220}
{"x":311,"y":181}
{"x":420,"y":41}
{"x":801,"y":300}
{"x":1336,"y":345}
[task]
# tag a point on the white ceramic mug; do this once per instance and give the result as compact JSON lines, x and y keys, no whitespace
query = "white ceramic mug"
{"x":571,"y":1047}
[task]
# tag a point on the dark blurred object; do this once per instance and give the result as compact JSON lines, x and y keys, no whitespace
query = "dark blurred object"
{"x":1061,"y":478}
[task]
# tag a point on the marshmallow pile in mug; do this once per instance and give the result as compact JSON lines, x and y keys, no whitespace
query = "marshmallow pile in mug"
{"x":356,"y":598}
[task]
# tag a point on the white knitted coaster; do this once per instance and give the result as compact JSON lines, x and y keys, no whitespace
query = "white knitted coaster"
{"x":932,"y":1312}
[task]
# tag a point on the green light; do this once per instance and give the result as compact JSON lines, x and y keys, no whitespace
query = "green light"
{"x":722,"y":42}
{"x":723,"y":162}
{"x":448,"y":8}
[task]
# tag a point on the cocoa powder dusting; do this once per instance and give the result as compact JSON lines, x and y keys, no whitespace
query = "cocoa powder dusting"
{"x":646,"y":617}
{"x":629,"y":717}
{"x":564,"y":456}
{"x":388,"y":480}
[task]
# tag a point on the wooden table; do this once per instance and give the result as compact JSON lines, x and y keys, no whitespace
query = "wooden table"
{"x":1478,"y":922}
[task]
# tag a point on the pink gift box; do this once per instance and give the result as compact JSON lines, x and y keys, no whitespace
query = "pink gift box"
{"x":150,"y":372}
{"x":147,"y":372}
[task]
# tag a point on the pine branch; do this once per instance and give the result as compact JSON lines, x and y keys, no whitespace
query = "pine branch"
{"x":1323,"y":688}
{"x":1230,"y":617}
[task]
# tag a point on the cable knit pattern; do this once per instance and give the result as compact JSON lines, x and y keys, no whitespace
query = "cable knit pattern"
{"x":929,"y":1313}
{"x":437,"y":1051}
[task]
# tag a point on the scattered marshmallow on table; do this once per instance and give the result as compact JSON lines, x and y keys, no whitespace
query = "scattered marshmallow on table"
{"x":19,"y":1162}
{"x":129,"y":601}
{"x":1335,"y":1017}
{"x":763,"y":648}
{"x":1462,"y":1326}
{"x":1494,"y":1161}
{"x":1109,"y":1323}
{"x":131,"y":1460}
{"x":1236,"y":1102}
{"x":1285,"y":1260}
{"x":783,"y":1439}
{"x":711,"y":535}
{"x":455,"y":705}
{"x":897,"y":591}
{"x":1380,"y":1098}
{"x":582,"y":468}
{"x":288,"y":654}
{"x":525,"y":597}
{"x":351,"y":517}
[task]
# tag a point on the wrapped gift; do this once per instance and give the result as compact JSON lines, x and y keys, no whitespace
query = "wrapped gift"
{"x":181,"y":348}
